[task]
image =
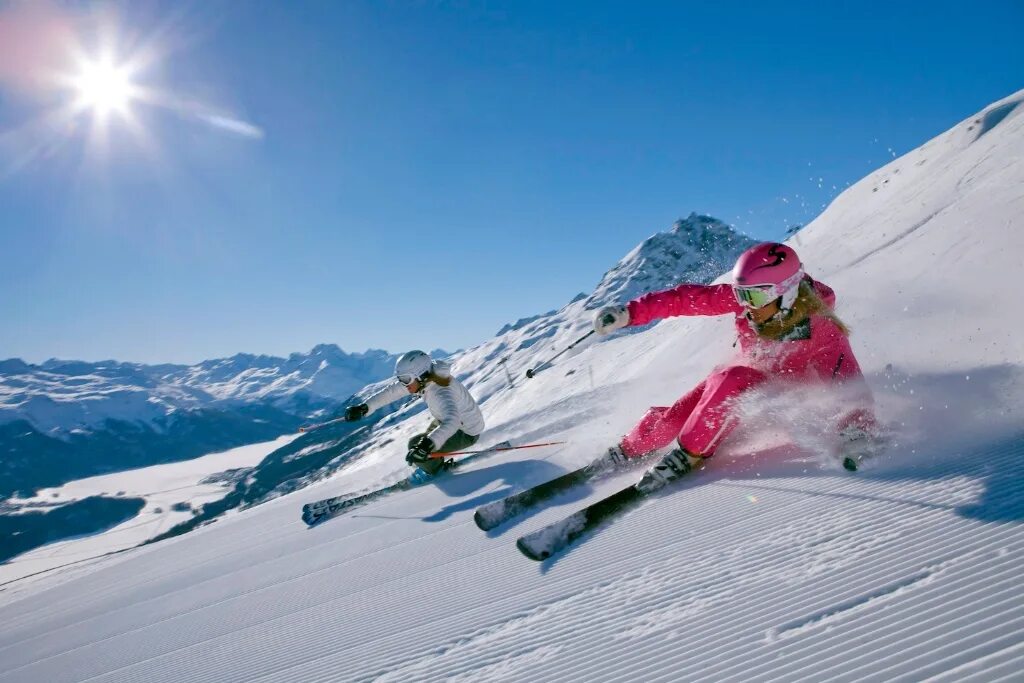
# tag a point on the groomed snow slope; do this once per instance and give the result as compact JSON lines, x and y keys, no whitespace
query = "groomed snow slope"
{"x":772,"y":564}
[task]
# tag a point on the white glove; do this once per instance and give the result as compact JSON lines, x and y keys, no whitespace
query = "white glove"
{"x":610,"y":318}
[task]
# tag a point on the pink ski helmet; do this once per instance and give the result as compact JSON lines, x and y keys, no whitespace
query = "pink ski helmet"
{"x":766,"y":272}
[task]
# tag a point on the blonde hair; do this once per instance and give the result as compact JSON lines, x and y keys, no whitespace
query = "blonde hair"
{"x":438,"y":379}
{"x":807,"y":303}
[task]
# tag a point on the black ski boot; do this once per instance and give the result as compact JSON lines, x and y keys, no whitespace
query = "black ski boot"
{"x":676,"y":464}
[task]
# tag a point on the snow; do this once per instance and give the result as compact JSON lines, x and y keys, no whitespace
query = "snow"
{"x":771,"y":564}
{"x":162,"y":487}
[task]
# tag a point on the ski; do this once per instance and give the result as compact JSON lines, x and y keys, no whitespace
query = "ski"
{"x":496,"y":513}
{"x":322,"y":510}
{"x":545,"y":542}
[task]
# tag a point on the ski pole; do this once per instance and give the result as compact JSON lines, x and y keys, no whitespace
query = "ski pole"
{"x":320,"y":425}
{"x":496,"y":450}
{"x":533,"y":371}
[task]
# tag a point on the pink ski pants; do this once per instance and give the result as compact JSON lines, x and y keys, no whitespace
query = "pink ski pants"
{"x":699,"y":420}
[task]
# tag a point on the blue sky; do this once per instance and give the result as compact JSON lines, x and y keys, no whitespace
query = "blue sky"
{"x":428,"y":171}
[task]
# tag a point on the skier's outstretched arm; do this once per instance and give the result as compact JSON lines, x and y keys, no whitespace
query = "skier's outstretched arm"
{"x":684,"y":299}
{"x":681,"y":300}
{"x":389,"y":394}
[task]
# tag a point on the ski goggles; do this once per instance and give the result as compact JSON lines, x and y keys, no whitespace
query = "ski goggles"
{"x":757,"y":296}
{"x":407,"y":379}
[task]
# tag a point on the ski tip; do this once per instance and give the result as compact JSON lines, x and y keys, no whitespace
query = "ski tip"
{"x":481,"y":523}
{"x":487,"y":522}
{"x":309,"y":517}
{"x":525,"y":549}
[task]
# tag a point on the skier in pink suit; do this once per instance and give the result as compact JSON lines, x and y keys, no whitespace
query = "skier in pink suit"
{"x":787,"y":331}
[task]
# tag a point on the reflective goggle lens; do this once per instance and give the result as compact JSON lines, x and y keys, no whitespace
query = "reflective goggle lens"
{"x":406,"y":379}
{"x":755,"y":297}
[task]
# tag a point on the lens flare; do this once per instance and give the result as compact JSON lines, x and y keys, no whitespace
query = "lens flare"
{"x":104,"y":87}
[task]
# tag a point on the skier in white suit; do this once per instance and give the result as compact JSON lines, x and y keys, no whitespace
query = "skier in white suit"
{"x":457,"y":422}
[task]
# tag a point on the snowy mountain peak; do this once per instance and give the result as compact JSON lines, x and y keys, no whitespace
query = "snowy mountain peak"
{"x":697,"y":248}
{"x":323,"y":351}
{"x":701,"y":223}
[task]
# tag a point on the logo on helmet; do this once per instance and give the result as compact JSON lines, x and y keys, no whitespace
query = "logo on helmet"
{"x":780,"y":256}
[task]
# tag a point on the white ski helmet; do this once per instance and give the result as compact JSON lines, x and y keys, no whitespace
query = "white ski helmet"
{"x":412,"y":365}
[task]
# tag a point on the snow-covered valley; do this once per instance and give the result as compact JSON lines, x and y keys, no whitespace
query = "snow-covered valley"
{"x":66,"y":420}
{"x":770,"y":564}
{"x":171,"y":492}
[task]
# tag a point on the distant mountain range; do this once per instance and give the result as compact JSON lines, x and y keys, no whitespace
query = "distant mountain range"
{"x":63,"y":420}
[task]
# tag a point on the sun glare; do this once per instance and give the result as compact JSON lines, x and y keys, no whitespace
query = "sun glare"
{"x":104,"y":87}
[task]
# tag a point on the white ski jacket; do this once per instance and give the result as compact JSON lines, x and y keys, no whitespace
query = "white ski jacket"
{"x":452,"y":406}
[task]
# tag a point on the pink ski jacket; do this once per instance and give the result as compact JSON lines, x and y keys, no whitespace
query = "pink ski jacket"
{"x":817,"y":349}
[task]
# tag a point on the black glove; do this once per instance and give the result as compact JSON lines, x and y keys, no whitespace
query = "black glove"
{"x":353,"y":413}
{"x":419,"y":450}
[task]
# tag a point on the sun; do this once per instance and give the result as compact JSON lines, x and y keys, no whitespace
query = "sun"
{"x":104,"y":87}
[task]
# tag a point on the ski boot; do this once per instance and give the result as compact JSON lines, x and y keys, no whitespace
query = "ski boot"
{"x":857,"y":445}
{"x":612,"y":459}
{"x":428,"y":469}
{"x":673,"y":466}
